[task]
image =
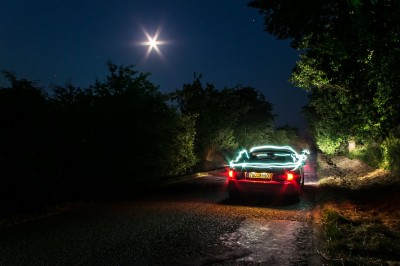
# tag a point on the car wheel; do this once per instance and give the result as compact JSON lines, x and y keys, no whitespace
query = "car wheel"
{"x":233,"y":194}
{"x":295,"y":198}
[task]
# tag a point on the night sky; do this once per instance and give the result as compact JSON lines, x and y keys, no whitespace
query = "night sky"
{"x":56,"y":42}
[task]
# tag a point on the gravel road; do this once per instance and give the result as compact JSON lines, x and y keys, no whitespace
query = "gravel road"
{"x":192,"y":222}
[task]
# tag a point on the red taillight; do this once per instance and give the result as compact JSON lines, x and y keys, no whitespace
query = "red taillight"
{"x":231,"y":174}
{"x":289,"y":176}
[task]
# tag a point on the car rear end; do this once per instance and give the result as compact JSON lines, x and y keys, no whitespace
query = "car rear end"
{"x":272,"y":170}
{"x":265,"y":181}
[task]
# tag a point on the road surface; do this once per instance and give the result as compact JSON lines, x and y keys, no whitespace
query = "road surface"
{"x":192,"y":222}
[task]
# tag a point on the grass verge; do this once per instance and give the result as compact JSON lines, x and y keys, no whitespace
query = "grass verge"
{"x":356,"y":238}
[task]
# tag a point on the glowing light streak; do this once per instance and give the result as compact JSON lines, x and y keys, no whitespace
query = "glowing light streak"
{"x":240,"y":155}
{"x":272,"y":147}
{"x":297,"y":160}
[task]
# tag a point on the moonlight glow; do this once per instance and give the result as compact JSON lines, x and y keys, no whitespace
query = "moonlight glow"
{"x":153,"y":43}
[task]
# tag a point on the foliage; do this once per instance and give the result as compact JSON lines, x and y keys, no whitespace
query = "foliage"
{"x":350,"y":238}
{"x":226,"y":118}
{"x":331,"y":218}
{"x":83,"y":142}
{"x":384,"y":154}
{"x":120,"y":132}
{"x":327,"y":144}
{"x":279,"y":137}
{"x":348,"y":63}
{"x":181,"y":151}
{"x":370,"y":153}
{"x":287,"y":135}
{"x":25,"y":155}
{"x":391,"y":153}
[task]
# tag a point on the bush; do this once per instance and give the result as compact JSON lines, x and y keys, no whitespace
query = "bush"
{"x":329,"y":145}
{"x":370,"y":153}
{"x":391,"y":153}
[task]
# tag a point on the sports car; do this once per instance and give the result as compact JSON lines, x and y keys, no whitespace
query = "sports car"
{"x":267,"y":169}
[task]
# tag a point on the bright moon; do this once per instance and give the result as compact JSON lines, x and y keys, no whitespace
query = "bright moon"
{"x":153,"y":43}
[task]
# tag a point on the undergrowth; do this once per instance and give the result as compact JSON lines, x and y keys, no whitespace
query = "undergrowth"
{"x":351,"y":238}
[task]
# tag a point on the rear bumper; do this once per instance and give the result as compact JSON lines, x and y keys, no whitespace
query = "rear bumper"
{"x":271,"y":187}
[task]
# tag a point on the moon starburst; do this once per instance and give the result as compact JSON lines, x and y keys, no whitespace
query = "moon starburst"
{"x":153,"y":43}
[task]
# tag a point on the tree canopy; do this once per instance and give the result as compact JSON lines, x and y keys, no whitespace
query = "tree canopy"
{"x":349,"y":63}
{"x":119,"y":133}
{"x":75,"y":142}
{"x":226,"y":119}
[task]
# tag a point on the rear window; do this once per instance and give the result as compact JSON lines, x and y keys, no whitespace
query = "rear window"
{"x":273,"y":156}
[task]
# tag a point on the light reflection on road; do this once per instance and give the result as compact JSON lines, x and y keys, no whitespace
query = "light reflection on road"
{"x":276,"y":242}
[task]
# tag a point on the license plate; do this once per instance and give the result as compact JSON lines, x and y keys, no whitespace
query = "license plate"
{"x":259,"y":175}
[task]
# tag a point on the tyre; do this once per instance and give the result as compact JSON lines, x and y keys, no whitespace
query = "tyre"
{"x":295,"y":198}
{"x":233,"y":194}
